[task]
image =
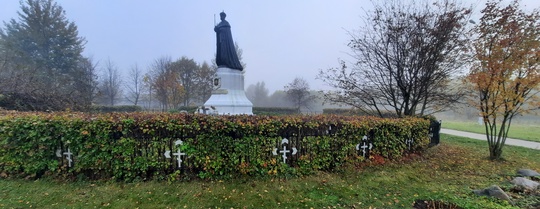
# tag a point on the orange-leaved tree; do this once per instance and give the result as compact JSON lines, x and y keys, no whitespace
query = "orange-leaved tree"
{"x":505,"y":76}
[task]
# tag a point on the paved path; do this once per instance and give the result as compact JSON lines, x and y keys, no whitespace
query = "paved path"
{"x":509,"y":141}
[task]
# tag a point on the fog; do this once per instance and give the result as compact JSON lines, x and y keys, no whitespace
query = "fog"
{"x":280,"y":39}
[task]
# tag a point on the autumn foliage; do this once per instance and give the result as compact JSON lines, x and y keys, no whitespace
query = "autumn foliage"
{"x":506,"y":75}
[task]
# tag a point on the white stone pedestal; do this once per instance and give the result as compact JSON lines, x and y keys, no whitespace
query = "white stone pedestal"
{"x":230,"y":97}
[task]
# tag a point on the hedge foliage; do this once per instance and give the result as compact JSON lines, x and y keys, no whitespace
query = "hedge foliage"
{"x":130,"y":146}
{"x":119,"y":108}
{"x":273,"y":111}
{"x":270,"y":111}
{"x":357,"y":112}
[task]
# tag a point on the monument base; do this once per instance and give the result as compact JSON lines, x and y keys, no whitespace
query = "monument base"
{"x":230,"y":97}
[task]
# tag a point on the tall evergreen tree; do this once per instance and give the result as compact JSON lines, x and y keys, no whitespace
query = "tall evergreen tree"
{"x":42,"y":51}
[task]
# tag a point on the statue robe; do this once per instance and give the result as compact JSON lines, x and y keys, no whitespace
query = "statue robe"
{"x":226,"y":53}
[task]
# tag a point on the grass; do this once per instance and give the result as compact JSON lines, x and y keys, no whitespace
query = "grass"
{"x":517,"y":131}
{"x":447,"y":172}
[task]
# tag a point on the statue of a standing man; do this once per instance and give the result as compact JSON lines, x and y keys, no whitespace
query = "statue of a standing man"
{"x":226,"y":53}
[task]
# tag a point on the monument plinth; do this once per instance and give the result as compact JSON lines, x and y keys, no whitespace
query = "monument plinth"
{"x":229,"y":97}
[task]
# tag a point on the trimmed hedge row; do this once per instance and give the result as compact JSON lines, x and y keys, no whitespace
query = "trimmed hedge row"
{"x":357,"y":112}
{"x":129,"y":146}
{"x":189,"y":109}
{"x":273,"y":111}
{"x":119,"y":108}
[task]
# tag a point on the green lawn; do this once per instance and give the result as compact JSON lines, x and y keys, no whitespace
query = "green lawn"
{"x":446,"y":172}
{"x":517,"y":131}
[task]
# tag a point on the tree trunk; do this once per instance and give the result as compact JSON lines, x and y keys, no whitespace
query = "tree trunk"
{"x":495,"y":152}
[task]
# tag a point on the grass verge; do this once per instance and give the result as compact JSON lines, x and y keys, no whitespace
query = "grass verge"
{"x":447,"y":172}
{"x":517,"y":131}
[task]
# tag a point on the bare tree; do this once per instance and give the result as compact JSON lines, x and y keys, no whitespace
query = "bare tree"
{"x":148,"y":88}
{"x":110,"y":84}
{"x":406,"y":54}
{"x":135,"y":84}
{"x":168,"y":90}
{"x":86,"y":83}
{"x":158,"y":77}
{"x":299,"y":94}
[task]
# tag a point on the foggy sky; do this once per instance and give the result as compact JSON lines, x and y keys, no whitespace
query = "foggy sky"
{"x":280,"y":39}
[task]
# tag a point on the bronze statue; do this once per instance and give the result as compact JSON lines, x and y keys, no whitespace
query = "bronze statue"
{"x":226,"y":53}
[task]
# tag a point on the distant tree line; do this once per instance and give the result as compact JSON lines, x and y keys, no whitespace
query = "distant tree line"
{"x":296,"y":94}
{"x":179,"y":83}
{"x":42,"y":69}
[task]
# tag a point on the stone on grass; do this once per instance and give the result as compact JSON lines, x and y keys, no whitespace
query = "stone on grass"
{"x":493,"y":191}
{"x":528,"y":184}
{"x":527,"y":172}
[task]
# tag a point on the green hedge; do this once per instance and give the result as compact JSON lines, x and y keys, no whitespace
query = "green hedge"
{"x":357,"y":112}
{"x":119,"y":108}
{"x":273,"y":111}
{"x":131,"y":146}
{"x":189,"y":109}
{"x":270,"y":111}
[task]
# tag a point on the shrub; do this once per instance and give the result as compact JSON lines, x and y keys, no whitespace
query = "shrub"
{"x":120,"y":108}
{"x":272,"y":111}
{"x":357,"y":112}
{"x":189,"y":109}
{"x":128,"y":146}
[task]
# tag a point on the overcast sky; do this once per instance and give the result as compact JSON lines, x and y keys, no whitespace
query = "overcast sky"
{"x":281,"y":39}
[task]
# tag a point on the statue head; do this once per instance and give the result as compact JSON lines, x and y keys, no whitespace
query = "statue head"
{"x":222,"y":15}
